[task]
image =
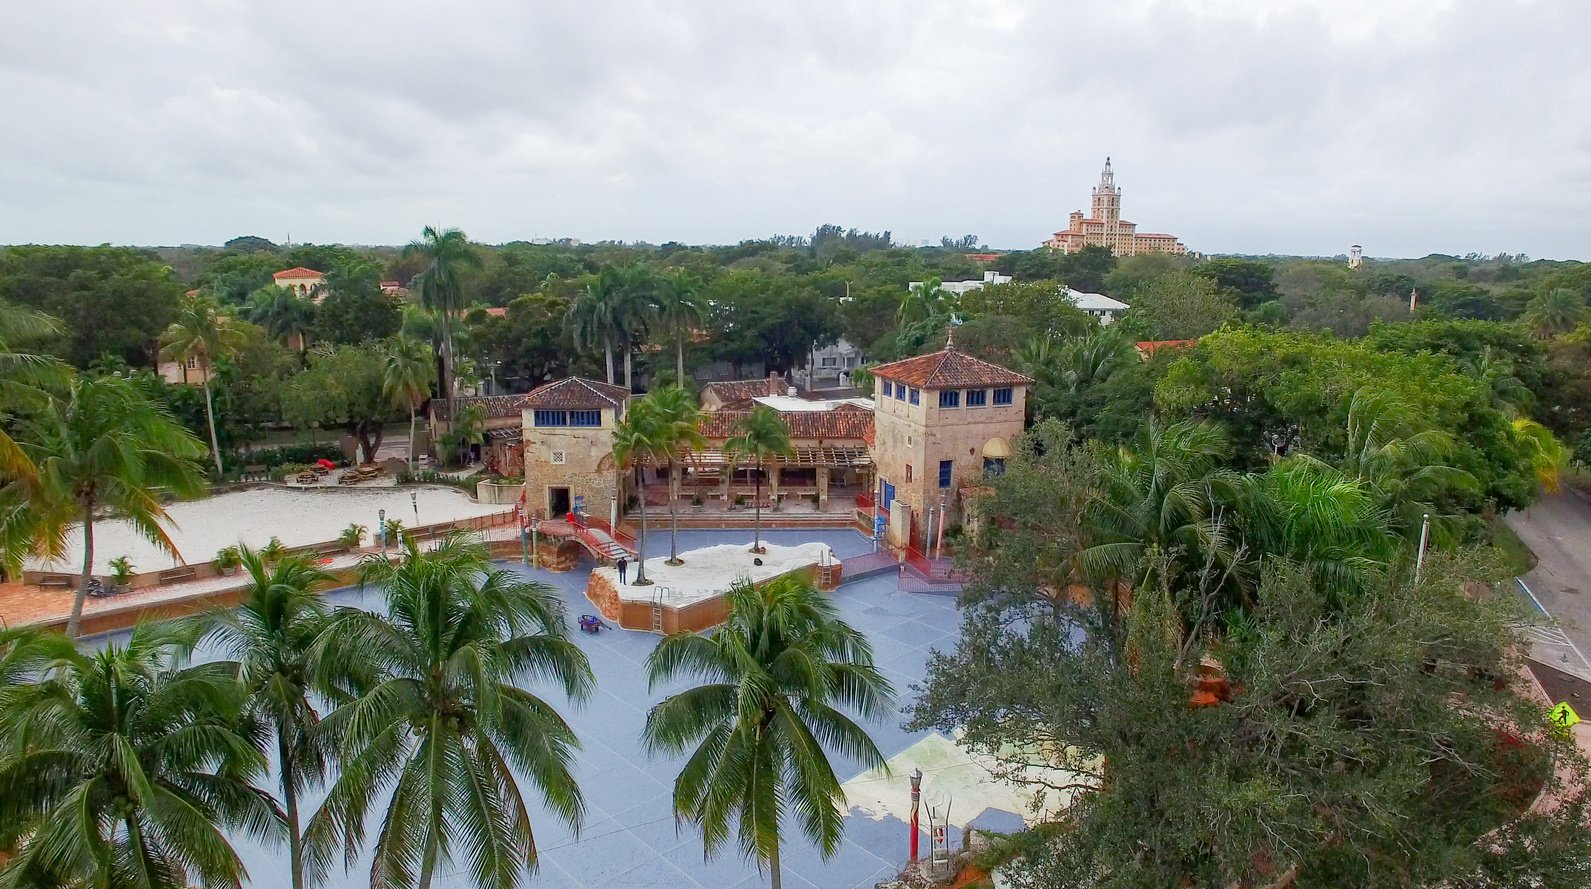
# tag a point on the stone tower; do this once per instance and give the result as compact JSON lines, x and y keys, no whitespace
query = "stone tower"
{"x":1107,"y":197}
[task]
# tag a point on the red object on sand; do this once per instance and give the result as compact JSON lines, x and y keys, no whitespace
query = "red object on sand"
{"x":323,"y":463}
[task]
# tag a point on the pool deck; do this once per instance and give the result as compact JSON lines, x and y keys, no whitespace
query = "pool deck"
{"x":630,"y":839}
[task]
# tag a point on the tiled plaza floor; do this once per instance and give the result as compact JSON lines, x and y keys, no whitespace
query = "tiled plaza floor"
{"x":629,"y":838}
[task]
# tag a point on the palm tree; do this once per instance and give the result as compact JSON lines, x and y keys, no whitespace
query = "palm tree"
{"x":925,"y":302}
{"x":201,"y":334}
{"x":1331,"y":524}
{"x":642,"y":436}
{"x":1400,"y":460}
{"x":1548,"y":457}
{"x":26,"y":380}
{"x":1164,"y":493}
{"x":445,"y":722}
{"x":678,"y":418}
{"x":777,"y":676}
{"x":282,"y":313}
{"x":681,"y":309}
{"x":594,"y":316}
{"x":132,"y":769}
{"x":1555,"y":312}
{"x":25,"y":653}
{"x":407,"y":381}
{"x":634,"y":312}
{"x":759,"y":435}
{"x":106,"y":450}
{"x":270,"y":637}
{"x":448,"y":254}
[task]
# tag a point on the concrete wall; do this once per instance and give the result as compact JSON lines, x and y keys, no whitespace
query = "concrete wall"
{"x":923,"y":434}
{"x":587,"y":468}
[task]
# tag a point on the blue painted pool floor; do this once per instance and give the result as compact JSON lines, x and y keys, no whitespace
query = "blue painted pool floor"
{"x":629,"y":838}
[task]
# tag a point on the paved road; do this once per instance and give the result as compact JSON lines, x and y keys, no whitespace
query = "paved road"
{"x":1558,"y":530}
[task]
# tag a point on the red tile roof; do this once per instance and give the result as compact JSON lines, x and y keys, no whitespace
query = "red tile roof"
{"x":577,"y":393}
{"x":731,"y":391}
{"x":982,"y":257}
{"x":803,"y":425}
{"x":949,"y":369}
{"x":497,"y":406}
{"x":298,"y":272}
{"x":497,"y":311}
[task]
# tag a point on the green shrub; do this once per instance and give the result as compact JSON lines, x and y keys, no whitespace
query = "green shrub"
{"x":228,"y":558}
{"x":121,"y":570}
{"x":271,"y":458}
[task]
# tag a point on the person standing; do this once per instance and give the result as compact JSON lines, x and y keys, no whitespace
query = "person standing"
{"x":623,"y":564}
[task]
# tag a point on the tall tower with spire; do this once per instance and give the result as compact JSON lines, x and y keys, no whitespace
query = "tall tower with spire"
{"x":1104,"y":227}
{"x":1107,"y":197}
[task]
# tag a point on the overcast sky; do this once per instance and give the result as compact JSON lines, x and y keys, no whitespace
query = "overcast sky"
{"x":1242,"y":126}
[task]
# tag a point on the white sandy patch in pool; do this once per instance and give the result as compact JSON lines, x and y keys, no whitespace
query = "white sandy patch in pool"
{"x":711,"y":570}
{"x":202,"y":527}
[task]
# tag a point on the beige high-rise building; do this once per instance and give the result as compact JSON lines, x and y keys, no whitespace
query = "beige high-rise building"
{"x":1104,"y":227}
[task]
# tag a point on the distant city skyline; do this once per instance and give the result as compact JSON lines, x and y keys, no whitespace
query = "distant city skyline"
{"x":1242,"y":126}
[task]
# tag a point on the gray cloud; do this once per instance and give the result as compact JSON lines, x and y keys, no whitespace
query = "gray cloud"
{"x":1409,"y":126}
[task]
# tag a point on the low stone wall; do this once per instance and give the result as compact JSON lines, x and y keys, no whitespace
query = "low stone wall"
{"x":695,"y":617}
{"x":503,"y":492}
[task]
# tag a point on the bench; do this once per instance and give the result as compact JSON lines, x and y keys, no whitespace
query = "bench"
{"x":178,"y":575}
{"x":256,"y":472}
{"x":65,"y":581}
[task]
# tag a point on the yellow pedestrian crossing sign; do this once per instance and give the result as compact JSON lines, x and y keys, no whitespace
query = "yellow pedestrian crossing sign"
{"x":1563,"y":716}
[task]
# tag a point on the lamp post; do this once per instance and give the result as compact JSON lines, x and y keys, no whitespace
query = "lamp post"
{"x":917,"y":793}
{"x":381,"y":526}
{"x":414,"y":501}
{"x":1425,"y":537}
{"x":939,"y":543}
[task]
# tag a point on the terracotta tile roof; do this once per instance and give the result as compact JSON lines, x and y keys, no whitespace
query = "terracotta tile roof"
{"x":577,"y":393}
{"x":298,"y":272}
{"x":497,"y":311}
{"x":948,"y":369}
{"x":803,"y":425}
{"x":497,"y":406}
{"x":739,"y":390}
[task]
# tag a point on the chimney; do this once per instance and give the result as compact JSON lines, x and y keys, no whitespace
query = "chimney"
{"x":775,"y":384}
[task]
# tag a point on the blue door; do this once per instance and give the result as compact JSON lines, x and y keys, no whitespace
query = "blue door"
{"x":889,"y":497}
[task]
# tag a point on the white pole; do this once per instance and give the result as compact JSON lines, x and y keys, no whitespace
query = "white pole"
{"x":939,"y":544}
{"x":878,"y":494}
{"x":1425,"y":537}
{"x":928,"y":532}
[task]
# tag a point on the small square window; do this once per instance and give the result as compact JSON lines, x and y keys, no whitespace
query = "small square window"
{"x":889,"y":389}
{"x":916,"y":396}
{"x":977,"y":397}
{"x":950,"y":398}
{"x":1002,"y":396}
{"x":830,"y":361}
{"x":900,"y":393}
{"x":558,"y":458}
{"x":908,"y":472}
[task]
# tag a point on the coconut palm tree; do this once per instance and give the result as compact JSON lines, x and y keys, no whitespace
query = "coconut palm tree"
{"x":635,"y":311}
{"x":26,"y":380}
{"x":1317,"y":516}
{"x":133,"y":769}
{"x":270,"y":639}
{"x":642,"y":436}
{"x":925,"y":302}
{"x":1165,"y":492}
{"x":1555,"y":312}
{"x":1400,"y":460}
{"x":759,"y":733}
{"x":1548,"y":457}
{"x":201,"y":334}
{"x":759,"y":435}
{"x":407,"y":381}
{"x":106,"y":450}
{"x":678,"y":418}
{"x":25,"y":653}
{"x":681,"y":310}
{"x":446,"y":723}
{"x":282,"y":313}
{"x":593,"y":318}
{"x":448,"y":255}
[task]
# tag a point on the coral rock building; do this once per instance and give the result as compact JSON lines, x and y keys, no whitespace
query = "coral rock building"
{"x":1104,"y":227}
{"x":942,"y":422}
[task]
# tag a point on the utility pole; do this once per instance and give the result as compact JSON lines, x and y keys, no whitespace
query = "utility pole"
{"x":917,"y":793}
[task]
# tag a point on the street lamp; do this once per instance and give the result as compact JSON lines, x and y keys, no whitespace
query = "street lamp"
{"x":414,"y":501}
{"x":381,"y":526}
